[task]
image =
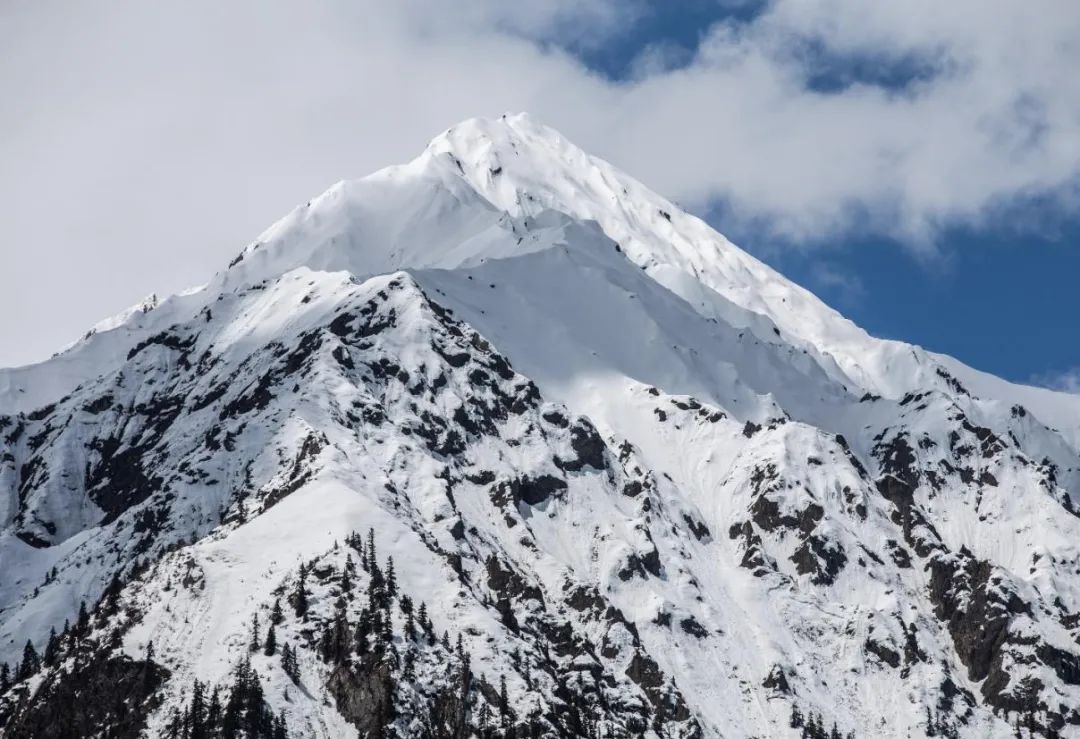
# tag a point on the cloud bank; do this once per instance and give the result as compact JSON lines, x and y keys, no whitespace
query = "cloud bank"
{"x":145,"y":142}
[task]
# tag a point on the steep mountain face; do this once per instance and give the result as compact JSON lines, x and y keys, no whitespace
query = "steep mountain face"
{"x":500,"y":443}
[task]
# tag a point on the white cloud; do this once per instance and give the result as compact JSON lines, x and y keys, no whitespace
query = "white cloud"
{"x":143,"y":143}
{"x":1067,"y":381}
{"x":847,"y":288}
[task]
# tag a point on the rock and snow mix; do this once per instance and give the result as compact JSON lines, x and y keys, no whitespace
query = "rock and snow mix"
{"x":500,"y":443}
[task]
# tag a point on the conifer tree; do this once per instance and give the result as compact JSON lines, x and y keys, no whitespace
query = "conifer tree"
{"x":423,"y":619}
{"x":255,"y":643}
{"x":196,"y":719}
{"x":336,"y":645}
{"x":111,"y":595}
{"x":377,"y":631}
{"x":362,"y":632}
{"x":147,"y":668}
{"x":281,"y":730}
{"x":30,"y":664}
{"x":387,"y":635}
{"x":391,"y":579}
{"x":52,"y":648}
{"x":504,"y":701}
{"x":289,"y":664}
{"x":276,"y":616}
{"x":82,"y":623}
{"x":373,"y":563}
{"x":406,"y":606}
{"x":213,"y":710}
{"x":347,"y":574}
{"x":270,"y":645}
{"x":5,"y":678}
{"x":300,"y":595}
{"x":174,"y":728}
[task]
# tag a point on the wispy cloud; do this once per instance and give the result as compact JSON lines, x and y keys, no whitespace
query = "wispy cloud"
{"x":846,"y":287}
{"x":1066,"y":381}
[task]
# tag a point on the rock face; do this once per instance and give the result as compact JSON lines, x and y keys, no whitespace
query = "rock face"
{"x":499,"y":443}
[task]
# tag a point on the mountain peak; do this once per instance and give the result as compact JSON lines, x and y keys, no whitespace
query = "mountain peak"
{"x":500,"y":436}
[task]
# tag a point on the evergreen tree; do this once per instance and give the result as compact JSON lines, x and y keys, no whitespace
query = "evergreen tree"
{"x":289,"y":664}
{"x":276,"y":616}
{"x":270,"y":645}
{"x":424,"y":620}
{"x":147,"y":671}
{"x":196,"y":721}
{"x":362,"y":549}
{"x":363,"y":631}
{"x":410,"y":622}
{"x":256,"y":718}
{"x":52,"y":648}
{"x":504,"y":701}
{"x":391,"y":579}
{"x":111,"y":595}
{"x":5,"y":678}
{"x":377,"y":631}
{"x":174,"y":729}
{"x":213,"y":710}
{"x":300,"y":595}
{"x":796,"y":717}
{"x":373,"y":563}
{"x":82,"y":623}
{"x":281,"y":730}
{"x":347,"y":574}
{"x":30,"y":664}
{"x":255,"y":643}
{"x":246,"y":713}
{"x":387,"y":635}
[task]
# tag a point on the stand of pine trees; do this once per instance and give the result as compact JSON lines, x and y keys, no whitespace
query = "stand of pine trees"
{"x":84,"y":686}
{"x":240,"y":713}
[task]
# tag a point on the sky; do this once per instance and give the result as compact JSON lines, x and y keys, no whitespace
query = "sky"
{"x":915,"y":164}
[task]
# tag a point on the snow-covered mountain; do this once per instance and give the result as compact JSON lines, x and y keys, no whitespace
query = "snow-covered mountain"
{"x":501,"y":443}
